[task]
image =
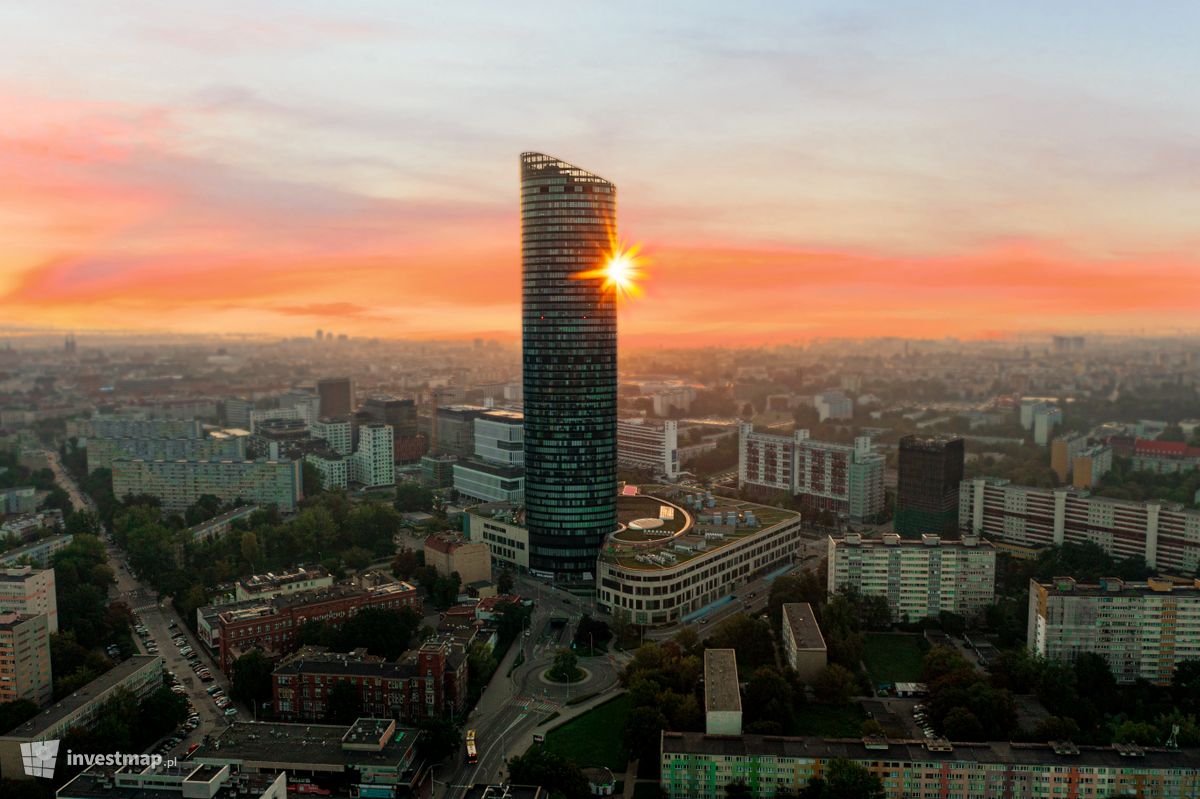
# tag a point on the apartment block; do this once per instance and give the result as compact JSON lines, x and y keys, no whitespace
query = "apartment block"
{"x":25,"y":658}
{"x":141,"y":675}
{"x":132,"y":426}
{"x":919,"y":578}
{"x":649,"y":444}
{"x":178,"y":484}
{"x":1091,"y":465}
{"x":38,"y":553}
{"x":722,"y":693}
{"x":1063,"y":451}
{"x":1044,"y":421}
{"x":1025,"y":519}
{"x":337,"y":433}
{"x":930,"y":471}
{"x":28,"y":590}
{"x":216,"y":445}
{"x":373,"y":463}
{"x":843,"y":479}
{"x":333,"y":468}
{"x":1141,"y":629}
{"x":430,"y":682}
{"x":18,"y":500}
{"x":803,"y":644}
{"x":699,"y":766}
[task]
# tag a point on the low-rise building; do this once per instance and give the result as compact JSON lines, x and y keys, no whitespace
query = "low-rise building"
{"x":1164,"y":457}
{"x":1025,"y":518}
{"x":429,"y":682}
{"x":453,"y":552}
{"x":374,"y":758}
{"x":141,"y":675}
{"x":1142,"y":630}
{"x":186,"y":780}
{"x":29,"y":590}
{"x":919,"y":579}
{"x":37,"y":553}
{"x":722,"y":693}
{"x":803,"y":644}
{"x":273,"y":584}
{"x":699,"y":766}
{"x":489,"y":482}
{"x":220,"y":526}
{"x":18,"y":500}
{"x":501,"y":526}
{"x":25,"y":658}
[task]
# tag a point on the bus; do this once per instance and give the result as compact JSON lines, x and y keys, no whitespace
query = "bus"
{"x":472,"y":755}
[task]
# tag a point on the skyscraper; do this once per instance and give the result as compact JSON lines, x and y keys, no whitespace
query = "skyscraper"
{"x":569,"y":336}
{"x":931,"y":467}
{"x":337,"y":396}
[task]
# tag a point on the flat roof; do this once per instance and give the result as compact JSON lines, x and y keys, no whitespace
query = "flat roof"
{"x":125,"y":783}
{"x":799,"y":618}
{"x":307,"y":744}
{"x":88,"y":693}
{"x":721,"y":692}
{"x":494,"y":469}
{"x":991,"y":752}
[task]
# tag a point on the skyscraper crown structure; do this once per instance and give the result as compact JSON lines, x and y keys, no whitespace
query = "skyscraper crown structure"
{"x":569,"y":337}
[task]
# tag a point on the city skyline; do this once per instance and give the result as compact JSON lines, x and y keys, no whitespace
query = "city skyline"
{"x":845,"y":170}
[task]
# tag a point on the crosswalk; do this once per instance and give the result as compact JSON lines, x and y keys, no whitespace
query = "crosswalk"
{"x":533,"y":704}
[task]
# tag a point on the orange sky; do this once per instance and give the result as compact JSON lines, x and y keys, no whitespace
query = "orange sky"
{"x":272,"y":181}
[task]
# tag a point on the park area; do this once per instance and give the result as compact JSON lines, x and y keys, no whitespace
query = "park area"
{"x":594,"y":738}
{"x":894,"y":657}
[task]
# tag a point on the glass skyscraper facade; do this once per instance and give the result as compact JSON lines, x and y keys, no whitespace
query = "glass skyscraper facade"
{"x":569,"y":337}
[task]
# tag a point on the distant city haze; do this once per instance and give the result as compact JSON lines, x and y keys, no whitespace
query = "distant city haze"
{"x":792,"y":170}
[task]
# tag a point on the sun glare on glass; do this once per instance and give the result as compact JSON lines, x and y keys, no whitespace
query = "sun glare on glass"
{"x":622,"y":271}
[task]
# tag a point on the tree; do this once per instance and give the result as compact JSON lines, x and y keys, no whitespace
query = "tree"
{"x":15,"y":713}
{"x":565,"y":668}
{"x":591,"y":633}
{"x":412,"y":496}
{"x":769,"y":698}
{"x":382,"y":632}
{"x":952,"y":623}
{"x":961,"y":724}
{"x":251,"y":683}
{"x":405,"y":563}
{"x":643,"y":731}
{"x":750,"y":638}
{"x":1094,"y":679}
{"x":357,"y":558}
{"x":505,"y":582}
{"x":311,"y":479}
{"x":439,"y":740}
{"x":738,"y":790}
{"x":249,"y":549}
{"x":1056,"y":728}
{"x":550,"y":770}
{"x":835,"y":685}
{"x":845,"y":779}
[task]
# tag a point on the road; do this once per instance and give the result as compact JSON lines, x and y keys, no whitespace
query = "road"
{"x":512,"y":706}
{"x":156,"y":617}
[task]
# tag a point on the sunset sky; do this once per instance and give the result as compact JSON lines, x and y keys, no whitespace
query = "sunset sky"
{"x":791,"y":169}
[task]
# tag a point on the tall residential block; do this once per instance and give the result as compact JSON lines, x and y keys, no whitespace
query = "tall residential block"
{"x":569,"y":365}
{"x":919,"y":578}
{"x":25,"y":658}
{"x":1142,"y":630}
{"x":25,"y":589}
{"x":1063,"y":451}
{"x":931,"y":468}
{"x":843,"y":479}
{"x":373,"y":463}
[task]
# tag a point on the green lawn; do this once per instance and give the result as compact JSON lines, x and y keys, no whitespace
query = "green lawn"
{"x":894,"y":657}
{"x":829,"y":721}
{"x":595,"y":738}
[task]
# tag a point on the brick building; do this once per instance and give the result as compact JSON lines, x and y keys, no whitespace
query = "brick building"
{"x":273,"y":624}
{"x":429,"y":682}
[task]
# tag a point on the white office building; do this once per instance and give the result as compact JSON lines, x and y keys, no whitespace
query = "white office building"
{"x":336,"y":432}
{"x":373,"y":464}
{"x":649,"y":444}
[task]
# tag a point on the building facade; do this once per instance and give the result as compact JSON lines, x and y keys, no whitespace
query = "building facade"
{"x":839,"y":478}
{"x":1090,"y":465}
{"x":333,"y":468}
{"x":919,"y":578}
{"x":338,"y":434}
{"x":930,"y":471}
{"x":499,"y":525}
{"x":1063,"y":451}
{"x":373,"y":463}
{"x":496,"y":472}
{"x":217,"y":445}
{"x":649,"y":444}
{"x":141,"y":675}
{"x":178,"y":484}
{"x":1142,"y":630}
{"x":38,"y":553}
{"x":272,"y":625}
{"x":25,"y":658}
{"x":27,"y":590}
{"x":273,"y":584}
{"x":569,"y":354}
{"x":1024,"y":519}
{"x":449,"y":553}
{"x":699,"y":766}
{"x":427,"y":683}
{"x":336,"y":396}
{"x":1164,"y":457}
{"x":803,"y":644}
